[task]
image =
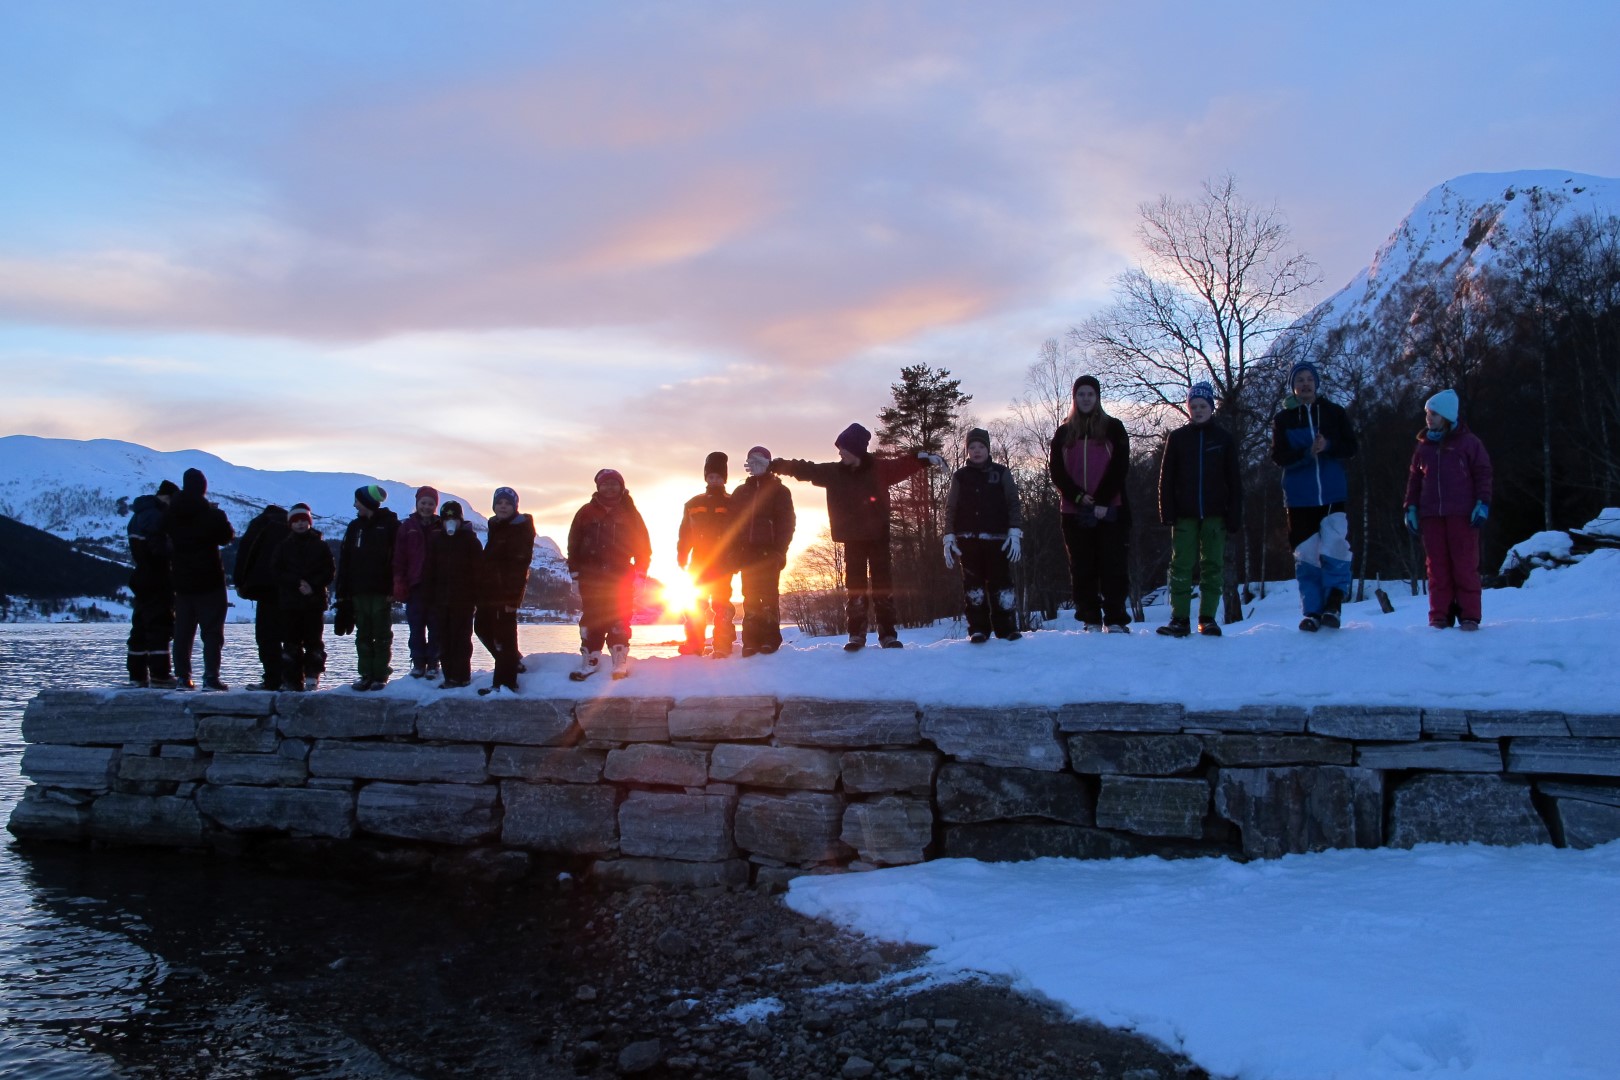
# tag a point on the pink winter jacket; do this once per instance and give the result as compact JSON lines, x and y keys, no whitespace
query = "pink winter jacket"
{"x":1449,"y":476}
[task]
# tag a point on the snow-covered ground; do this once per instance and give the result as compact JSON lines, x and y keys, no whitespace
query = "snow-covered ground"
{"x":1443,"y":961}
{"x":1549,"y":645}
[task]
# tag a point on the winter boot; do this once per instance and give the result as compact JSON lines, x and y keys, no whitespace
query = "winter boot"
{"x":1209,"y":627}
{"x":890,"y":642}
{"x":1467,"y":624}
{"x":1092,"y":627}
{"x":856,"y":643}
{"x":1330,"y":608}
{"x":312,"y":683}
{"x":978,"y":637}
{"x":589,"y":664}
{"x":1311,"y":623}
{"x":1011,"y":635}
{"x":1178,"y":628}
{"x":621,"y":661}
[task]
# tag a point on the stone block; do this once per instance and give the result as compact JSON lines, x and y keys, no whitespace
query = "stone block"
{"x":722,"y":719}
{"x":572,"y":766}
{"x":232,"y":703}
{"x":35,"y":818}
{"x":1152,"y":807}
{"x":437,"y":813}
{"x":813,"y":722}
{"x":1282,"y":810}
{"x":1250,"y":750}
{"x":1125,"y":716}
{"x":891,"y":831}
{"x":1136,"y":755}
{"x":1465,"y":809}
{"x":462,"y":764}
{"x":172,"y":769}
{"x":86,"y":768}
{"x":155,"y":820}
{"x":1599,"y":793}
{"x":1008,"y":841}
{"x":267,"y":769}
{"x":1587,"y":824}
{"x":103,"y":718}
{"x":1442,"y":722}
{"x":519,"y":722}
{"x":624,"y":720}
{"x":796,"y":767}
{"x":1501,"y":723}
{"x":343,"y":715}
{"x":656,"y":763}
{"x":1585,"y":725}
{"x":968,"y":793}
{"x":691,"y":828}
{"x":1571,"y":756}
{"x":570,"y":819}
{"x":237,"y":734}
{"x":798,"y":828}
{"x":1250,"y":719}
{"x":306,"y":811}
{"x":297,"y":749}
{"x":1012,"y":738}
{"x":668,"y":873}
{"x":1451,"y":755}
{"x":1370,"y":723}
{"x":909,"y":772}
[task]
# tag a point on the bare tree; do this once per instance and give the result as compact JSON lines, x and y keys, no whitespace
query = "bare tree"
{"x":814,"y":599}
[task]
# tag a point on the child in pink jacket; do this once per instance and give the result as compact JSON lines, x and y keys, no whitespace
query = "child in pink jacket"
{"x":1448,"y":498}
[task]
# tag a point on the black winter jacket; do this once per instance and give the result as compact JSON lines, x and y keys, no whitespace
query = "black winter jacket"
{"x":1200,"y":476}
{"x":253,"y":576}
{"x":451,"y":572}
{"x":983,"y":501}
{"x":366,"y":561}
{"x":762,"y":519}
{"x":703,"y":544}
{"x":197,"y":529}
{"x":858,"y":494}
{"x":302,"y":557}
{"x":609,"y":540}
{"x":149,"y":550}
{"x":507,"y":555}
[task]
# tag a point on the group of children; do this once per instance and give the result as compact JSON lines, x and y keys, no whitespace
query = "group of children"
{"x":453,"y":587}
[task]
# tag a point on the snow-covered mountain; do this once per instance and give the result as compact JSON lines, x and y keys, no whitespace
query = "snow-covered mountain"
{"x":80,"y":491}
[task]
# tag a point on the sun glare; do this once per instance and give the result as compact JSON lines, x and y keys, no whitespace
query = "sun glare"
{"x":679,"y":594}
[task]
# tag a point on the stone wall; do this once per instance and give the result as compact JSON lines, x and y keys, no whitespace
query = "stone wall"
{"x":725,"y":791}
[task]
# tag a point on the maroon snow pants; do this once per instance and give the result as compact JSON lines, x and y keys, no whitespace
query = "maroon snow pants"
{"x":1451,"y":552}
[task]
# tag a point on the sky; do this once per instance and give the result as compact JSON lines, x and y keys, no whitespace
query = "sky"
{"x":513,"y":243}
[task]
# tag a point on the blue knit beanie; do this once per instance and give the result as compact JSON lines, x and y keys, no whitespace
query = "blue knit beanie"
{"x":854,"y":438}
{"x":1202,"y":390}
{"x":1304,"y":365}
{"x":1446,"y":404}
{"x":505,"y":493}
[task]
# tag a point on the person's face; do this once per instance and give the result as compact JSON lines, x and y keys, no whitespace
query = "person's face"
{"x":610,"y":490}
{"x":365,"y":511}
{"x":300,"y":525}
{"x":847,"y":457}
{"x":1200,"y":410}
{"x":426,"y":504}
{"x":714,"y":479}
{"x":757,"y":464}
{"x":978,"y":453}
{"x":1305,"y":387}
{"x":1085,"y":399}
{"x":1435,"y":421}
{"x":505,"y":509}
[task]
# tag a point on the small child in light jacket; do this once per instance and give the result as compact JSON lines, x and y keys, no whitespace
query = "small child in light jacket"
{"x":1448,"y":498}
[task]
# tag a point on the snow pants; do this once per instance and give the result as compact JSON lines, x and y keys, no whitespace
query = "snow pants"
{"x":302,"y":653}
{"x":987,"y":592}
{"x":1451,"y":555}
{"x":497,"y":629}
{"x":455,"y":624}
{"x":762,"y":603}
{"x":1197,"y":544}
{"x":374,"y":636}
{"x":1097,"y":569}
{"x":151,"y":626}
{"x":713,"y":603}
{"x":267,"y":635}
{"x":424,"y":640}
{"x":202,"y":613}
{"x":607,"y":602}
{"x":869,"y":581}
{"x":1320,"y":537}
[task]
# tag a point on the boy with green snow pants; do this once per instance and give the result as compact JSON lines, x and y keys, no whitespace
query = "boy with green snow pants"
{"x":1201,"y":499}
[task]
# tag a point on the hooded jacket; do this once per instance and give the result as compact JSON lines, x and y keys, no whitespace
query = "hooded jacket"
{"x":302,"y":557}
{"x":1448,"y":476}
{"x":1090,"y":467}
{"x":1312,"y":479}
{"x":983,"y":501}
{"x":858,"y":494}
{"x":762,"y":520}
{"x":610,"y":540}
{"x":366,"y":561}
{"x":197,"y":529}
{"x":252,"y":574}
{"x":1200,"y":476}
{"x":410,"y":552}
{"x":505,"y":563}
{"x":149,"y":548}
{"x":703,"y":542}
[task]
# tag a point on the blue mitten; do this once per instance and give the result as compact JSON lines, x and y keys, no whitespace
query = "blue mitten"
{"x":1412,"y":520}
{"x":1481,"y":512}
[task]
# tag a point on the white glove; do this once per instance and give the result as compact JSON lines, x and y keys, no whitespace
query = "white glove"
{"x":1014,"y":544}
{"x":933,"y":459}
{"x":952,"y":552}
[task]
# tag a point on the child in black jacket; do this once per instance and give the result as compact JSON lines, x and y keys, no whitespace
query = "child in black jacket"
{"x":450,"y":584}
{"x":985,"y":533}
{"x":303,"y":568}
{"x":1201,"y":499}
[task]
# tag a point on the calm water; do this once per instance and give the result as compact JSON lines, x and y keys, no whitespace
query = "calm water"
{"x":122,"y":964}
